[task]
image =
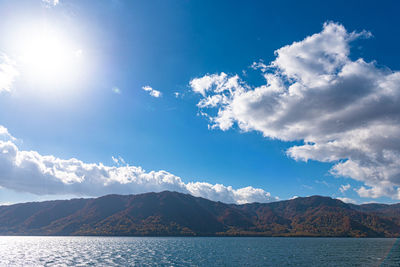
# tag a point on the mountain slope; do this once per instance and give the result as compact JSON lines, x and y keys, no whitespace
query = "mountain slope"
{"x":177,"y":214}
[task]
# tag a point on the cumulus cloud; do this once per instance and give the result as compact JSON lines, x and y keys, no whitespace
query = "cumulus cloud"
{"x":29,"y":171}
{"x":345,"y":111}
{"x":8,"y":73}
{"x":152,"y":92}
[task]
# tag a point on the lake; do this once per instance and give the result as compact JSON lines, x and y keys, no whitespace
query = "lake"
{"x":198,"y":251}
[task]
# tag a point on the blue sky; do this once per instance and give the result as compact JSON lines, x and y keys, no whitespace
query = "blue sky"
{"x":76,"y":91}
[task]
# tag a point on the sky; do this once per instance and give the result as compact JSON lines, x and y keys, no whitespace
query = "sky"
{"x":234,"y":101}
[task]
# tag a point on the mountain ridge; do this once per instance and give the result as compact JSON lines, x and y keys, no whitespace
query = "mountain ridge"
{"x":177,"y":214}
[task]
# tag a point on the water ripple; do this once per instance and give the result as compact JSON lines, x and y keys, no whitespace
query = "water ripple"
{"x":158,"y":251}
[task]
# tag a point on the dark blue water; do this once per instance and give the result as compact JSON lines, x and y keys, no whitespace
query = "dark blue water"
{"x":200,"y":251}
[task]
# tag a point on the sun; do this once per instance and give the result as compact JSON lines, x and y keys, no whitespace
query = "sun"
{"x":48,"y":55}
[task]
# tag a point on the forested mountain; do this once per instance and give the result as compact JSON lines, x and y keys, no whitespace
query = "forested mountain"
{"x":176,"y":214}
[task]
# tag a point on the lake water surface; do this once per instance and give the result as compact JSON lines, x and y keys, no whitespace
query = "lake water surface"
{"x":197,"y":251}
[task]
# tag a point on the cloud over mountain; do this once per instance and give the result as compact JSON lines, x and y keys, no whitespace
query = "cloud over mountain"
{"x":29,"y":171}
{"x":345,"y":111}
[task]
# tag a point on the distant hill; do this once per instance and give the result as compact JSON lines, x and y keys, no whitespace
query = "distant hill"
{"x":176,"y":214}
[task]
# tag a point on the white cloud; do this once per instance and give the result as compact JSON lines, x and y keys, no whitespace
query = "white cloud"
{"x":118,"y":160}
{"x":5,"y":135}
{"x":345,"y":111}
{"x":29,"y":171}
{"x":215,"y":82}
{"x":259,"y":65}
{"x":116,"y":90}
{"x":343,"y":188}
{"x":8,"y":73}
{"x":347,"y":200}
{"x":152,"y":92}
{"x":51,"y":2}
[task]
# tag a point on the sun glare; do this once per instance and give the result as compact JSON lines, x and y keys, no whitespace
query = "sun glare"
{"x":48,"y":56}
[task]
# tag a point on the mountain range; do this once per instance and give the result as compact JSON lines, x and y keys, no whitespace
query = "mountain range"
{"x":176,"y":214}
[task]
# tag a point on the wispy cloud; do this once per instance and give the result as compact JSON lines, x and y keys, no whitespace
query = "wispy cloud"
{"x":5,"y":135}
{"x":118,"y":160}
{"x":51,"y":2}
{"x":152,"y":92}
{"x":307,"y":186}
{"x":343,"y":188}
{"x":323,"y":182}
{"x":346,"y":111}
{"x":8,"y":73}
{"x":29,"y":171}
